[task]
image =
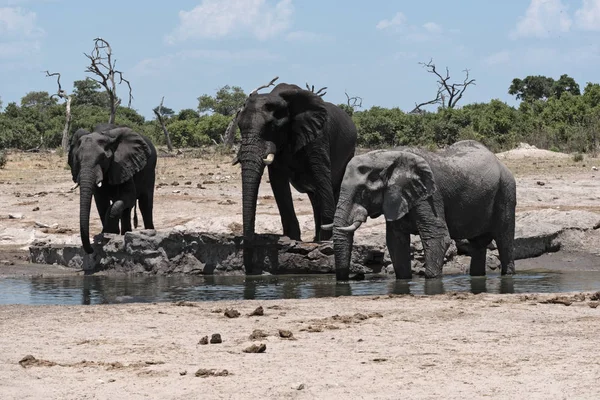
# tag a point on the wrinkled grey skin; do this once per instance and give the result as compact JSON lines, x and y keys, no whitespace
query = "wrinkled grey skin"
{"x":117,"y":166}
{"x":304,"y":141}
{"x":463,"y":192}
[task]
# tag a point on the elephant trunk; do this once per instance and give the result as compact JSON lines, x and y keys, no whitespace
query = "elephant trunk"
{"x":86,"y":182}
{"x":252,"y":170}
{"x":346,"y":215}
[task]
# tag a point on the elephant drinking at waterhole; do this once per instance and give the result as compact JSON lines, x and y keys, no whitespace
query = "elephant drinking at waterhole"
{"x":462,"y":192}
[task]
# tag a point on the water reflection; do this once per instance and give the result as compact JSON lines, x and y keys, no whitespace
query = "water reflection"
{"x":120,"y":289}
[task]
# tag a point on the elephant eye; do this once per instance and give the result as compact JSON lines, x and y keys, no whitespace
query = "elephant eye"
{"x":363,"y":170}
{"x":280,"y":113}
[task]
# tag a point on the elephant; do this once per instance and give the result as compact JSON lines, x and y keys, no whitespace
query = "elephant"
{"x":462,"y":192}
{"x":118,"y":166}
{"x":303,"y":140}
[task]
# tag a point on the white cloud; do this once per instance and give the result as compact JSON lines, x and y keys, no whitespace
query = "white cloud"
{"x":304,"y":36}
{"x":157,"y":65}
{"x":16,"y":22}
{"x":501,"y":57}
{"x":221,"y":18}
{"x":588,"y":16}
{"x":398,"y":20}
{"x":542,"y":19}
{"x":432,"y":27}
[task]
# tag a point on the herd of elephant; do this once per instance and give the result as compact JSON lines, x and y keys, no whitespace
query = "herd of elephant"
{"x":462,"y":192}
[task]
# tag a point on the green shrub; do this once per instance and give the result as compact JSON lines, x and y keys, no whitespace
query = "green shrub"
{"x":3,"y":159}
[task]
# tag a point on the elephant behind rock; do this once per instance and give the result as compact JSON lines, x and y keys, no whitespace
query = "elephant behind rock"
{"x":118,"y":167}
{"x":304,"y":141}
{"x":462,"y":192}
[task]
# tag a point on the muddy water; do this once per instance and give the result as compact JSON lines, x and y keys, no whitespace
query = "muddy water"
{"x":121,"y":289}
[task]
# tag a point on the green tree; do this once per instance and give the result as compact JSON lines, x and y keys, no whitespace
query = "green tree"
{"x":591,"y":94}
{"x":187,"y":113}
{"x":165,"y":112}
{"x":226,"y":101}
{"x":531,"y":88}
{"x":565,"y":84}
{"x":39,"y":99}
{"x":89,"y":92}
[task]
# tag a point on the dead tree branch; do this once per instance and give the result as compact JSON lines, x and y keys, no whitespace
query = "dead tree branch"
{"x":448,"y":94}
{"x":321,"y":92}
{"x":67,"y":98}
{"x":103,"y":66}
{"x":158,"y":112}
{"x":354,"y":102}
{"x":229,"y":134}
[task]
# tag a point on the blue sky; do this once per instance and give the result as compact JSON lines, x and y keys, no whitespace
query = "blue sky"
{"x":186,"y":48}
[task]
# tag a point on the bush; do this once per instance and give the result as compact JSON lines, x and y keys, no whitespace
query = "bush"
{"x":3,"y":159}
{"x":577,"y":157}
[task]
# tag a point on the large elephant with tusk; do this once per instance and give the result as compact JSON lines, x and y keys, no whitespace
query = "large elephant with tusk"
{"x":302,"y":140}
{"x":117,"y":166}
{"x":463,"y":192}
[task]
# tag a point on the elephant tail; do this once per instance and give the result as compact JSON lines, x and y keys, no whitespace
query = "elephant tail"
{"x":135,"y":219}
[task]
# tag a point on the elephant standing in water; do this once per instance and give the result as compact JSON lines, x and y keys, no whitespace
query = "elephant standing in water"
{"x":304,"y":141}
{"x":117,"y":166}
{"x":463,"y":192}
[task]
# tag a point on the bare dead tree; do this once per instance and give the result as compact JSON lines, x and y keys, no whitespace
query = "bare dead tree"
{"x":158,"y":112}
{"x":61,"y":93}
{"x":448,"y":94}
{"x":229,"y":134}
{"x":321,"y":92}
{"x":103,"y":66}
{"x":354,"y":102}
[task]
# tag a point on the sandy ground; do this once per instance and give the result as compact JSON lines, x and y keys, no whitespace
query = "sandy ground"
{"x":447,"y":346}
{"x":455,"y":346}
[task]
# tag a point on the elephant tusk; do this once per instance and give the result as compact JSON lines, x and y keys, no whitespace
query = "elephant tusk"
{"x":352,"y":227}
{"x":235,"y":161}
{"x":269,"y":159}
{"x":99,"y":184}
{"x":74,"y":187}
{"x":327,"y":227}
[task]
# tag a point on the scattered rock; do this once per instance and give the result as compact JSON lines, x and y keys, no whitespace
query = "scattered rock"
{"x":540,"y":183}
{"x":375,"y":315}
{"x":31,"y":361}
{"x":216,"y":338}
{"x":205,"y":373}
{"x":15,"y":216}
{"x":175,"y":183}
{"x":176,"y":191}
{"x":285,"y":334}
{"x":36,"y":209}
{"x":360,"y":340}
{"x":360,"y":317}
{"x":261,"y":348}
{"x":111,"y":380}
{"x":379,"y":359}
{"x":259,"y":312}
{"x":226,"y":202}
{"x":199,"y":186}
{"x":231,"y":313}
{"x":204,"y":340}
{"x":593,"y":304}
{"x":301,"y":386}
{"x":314,"y":329}
{"x":182,"y":373}
{"x":258,"y":334}
{"x":188,"y":183}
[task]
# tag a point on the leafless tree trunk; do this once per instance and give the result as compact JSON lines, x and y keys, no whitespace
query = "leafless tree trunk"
{"x":448,"y":94}
{"x":354,"y":102}
{"x":229,"y":135}
{"x":158,"y":113}
{"x":321,"y":92}
{"x":103,"y":66}
{"x":63,"y":95}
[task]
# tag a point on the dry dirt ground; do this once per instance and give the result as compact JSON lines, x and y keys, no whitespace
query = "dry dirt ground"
{"x":451,"y":346}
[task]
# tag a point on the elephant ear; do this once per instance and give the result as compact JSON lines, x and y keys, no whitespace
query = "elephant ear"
{"x":409,"y":180}
{"x":71,"y":159}
{"x":307,"y":115}
{"x":131,"y":153}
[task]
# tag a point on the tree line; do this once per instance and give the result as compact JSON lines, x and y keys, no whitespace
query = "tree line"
{"x":552,"y":114}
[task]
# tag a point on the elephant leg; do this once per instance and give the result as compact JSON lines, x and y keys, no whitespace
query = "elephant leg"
{"x":126,"y":221}
{"x":324,"y":203}
{"x":280,"y":185}
{"x":146,"y":202}
{"x":431,"y":224}
{"x":505,"y":244}
{"x":478,"y":249}
{"x":478,"y":256}
{"x":102,"y":205}
{"x":111,"y":221}
{"x":398,"y":244}
{"x":316,"y":215}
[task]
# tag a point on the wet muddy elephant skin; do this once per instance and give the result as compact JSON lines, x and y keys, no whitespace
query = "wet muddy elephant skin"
{"x":463,"y":192}
{"x":118,"y":167}
{"x":304,"y":141}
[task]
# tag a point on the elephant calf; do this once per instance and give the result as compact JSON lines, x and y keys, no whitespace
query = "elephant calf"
{"x":463,"y":192}
{"x":117,"y":166}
